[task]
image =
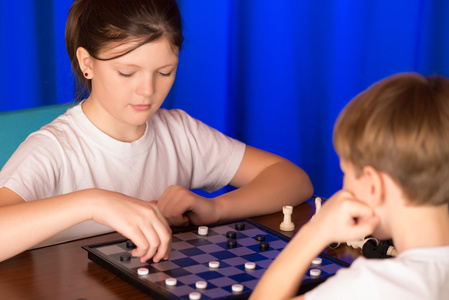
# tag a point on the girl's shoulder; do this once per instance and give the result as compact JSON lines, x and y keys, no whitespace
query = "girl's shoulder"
{"x":173,"y":118}
{"x":60,"y":130}
{"x":174,"y":113}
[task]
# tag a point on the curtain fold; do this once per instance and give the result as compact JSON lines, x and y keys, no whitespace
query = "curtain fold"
{"x":274,"y":74}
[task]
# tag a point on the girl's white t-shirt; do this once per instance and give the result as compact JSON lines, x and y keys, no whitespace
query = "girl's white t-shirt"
{"x":71,"y":154}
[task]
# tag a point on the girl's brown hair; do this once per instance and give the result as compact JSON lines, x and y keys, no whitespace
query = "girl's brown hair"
{"x":94,"y":24}
{"x":400,"y":126}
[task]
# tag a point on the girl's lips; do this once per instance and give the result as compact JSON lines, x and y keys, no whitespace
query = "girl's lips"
{"x":141,"y":107}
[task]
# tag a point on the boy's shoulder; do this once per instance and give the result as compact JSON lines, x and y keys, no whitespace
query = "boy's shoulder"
{"x":414,"y":274}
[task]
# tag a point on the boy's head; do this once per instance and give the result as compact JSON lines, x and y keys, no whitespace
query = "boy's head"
{"x":400,"y":126}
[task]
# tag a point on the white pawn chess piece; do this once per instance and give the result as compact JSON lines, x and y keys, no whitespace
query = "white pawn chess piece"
{"x":356,"y":244}
{"x":287,"y":224}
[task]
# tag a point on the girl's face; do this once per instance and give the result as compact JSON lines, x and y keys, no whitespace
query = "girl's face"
{"x":128,"y":90}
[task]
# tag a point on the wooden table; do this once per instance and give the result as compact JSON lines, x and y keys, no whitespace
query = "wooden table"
{"x":64,"y":272}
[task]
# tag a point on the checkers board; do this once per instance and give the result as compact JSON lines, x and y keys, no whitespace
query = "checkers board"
{"x":189,"y":262}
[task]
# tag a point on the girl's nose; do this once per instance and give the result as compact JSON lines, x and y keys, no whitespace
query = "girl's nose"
{"x":146,"y":88}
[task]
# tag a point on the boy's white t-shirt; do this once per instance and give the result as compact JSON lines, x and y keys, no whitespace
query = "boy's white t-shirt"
{"x":71,"y":154}
{"x":416,"y":274}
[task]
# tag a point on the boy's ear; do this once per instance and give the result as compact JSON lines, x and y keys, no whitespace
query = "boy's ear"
{"x":376,"y":187}
{"x":85,"y":62}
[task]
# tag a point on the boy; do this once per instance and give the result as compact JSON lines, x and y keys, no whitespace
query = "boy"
{"x":393,"y":144}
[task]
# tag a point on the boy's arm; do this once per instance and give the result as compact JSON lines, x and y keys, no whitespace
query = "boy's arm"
{"x":283,"y":278}
{"x":342,"y":218}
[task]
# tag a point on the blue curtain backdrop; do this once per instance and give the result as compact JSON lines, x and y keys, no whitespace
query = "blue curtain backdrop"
{"x":272,"y":73}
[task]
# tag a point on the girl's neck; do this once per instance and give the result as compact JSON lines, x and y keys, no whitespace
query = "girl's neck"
{"x":115,"y":129}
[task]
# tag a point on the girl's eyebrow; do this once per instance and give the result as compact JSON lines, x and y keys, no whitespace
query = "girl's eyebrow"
{"x":174,"y":64}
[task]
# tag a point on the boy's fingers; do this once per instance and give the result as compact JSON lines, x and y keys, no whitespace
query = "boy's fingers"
{"x":363,"y":227}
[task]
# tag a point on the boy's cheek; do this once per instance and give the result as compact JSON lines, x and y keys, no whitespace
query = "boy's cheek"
{"x":381,"y":233}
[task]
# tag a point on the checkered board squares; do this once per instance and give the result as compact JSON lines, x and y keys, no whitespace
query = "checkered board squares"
{"x":189,"y":262}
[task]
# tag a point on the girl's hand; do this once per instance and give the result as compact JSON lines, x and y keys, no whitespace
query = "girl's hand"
{"x":138,"y":220}
{"x":182,"y":207}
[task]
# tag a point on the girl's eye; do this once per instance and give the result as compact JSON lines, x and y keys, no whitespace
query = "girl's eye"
{"x":165,"y":74}
{"x":125,"y":74}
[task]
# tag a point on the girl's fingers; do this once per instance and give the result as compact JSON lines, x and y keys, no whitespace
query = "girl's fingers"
{"x":164,"y":248}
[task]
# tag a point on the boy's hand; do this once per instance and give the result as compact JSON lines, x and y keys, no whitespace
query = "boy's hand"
{"x":182,"y":207}
{"x":344,"y":218}
{"x":138,"y":220}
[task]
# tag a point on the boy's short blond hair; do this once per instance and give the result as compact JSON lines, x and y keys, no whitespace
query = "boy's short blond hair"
{"x":400,"y":126}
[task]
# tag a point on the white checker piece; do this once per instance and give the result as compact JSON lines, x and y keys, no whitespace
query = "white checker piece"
{"x":203,"y":230}
{"x":201,"y":284}
{"x":194,"y":296}
{"x":317,"y":261}
{"x":171,"y":281}
{"x":250,"y":266}
{"x":143,"y":271}
{"x":237,"y":288}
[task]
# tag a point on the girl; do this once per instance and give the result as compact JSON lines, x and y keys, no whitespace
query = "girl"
{"x":118,"y":162}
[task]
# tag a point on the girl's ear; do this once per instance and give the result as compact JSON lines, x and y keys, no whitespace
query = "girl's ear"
{"x":376,"y":191}
{"x":85,"y":62}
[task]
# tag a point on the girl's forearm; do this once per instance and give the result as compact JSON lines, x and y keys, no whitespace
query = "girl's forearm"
{"x":281,"y":184}
{"x":26,"y":224}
